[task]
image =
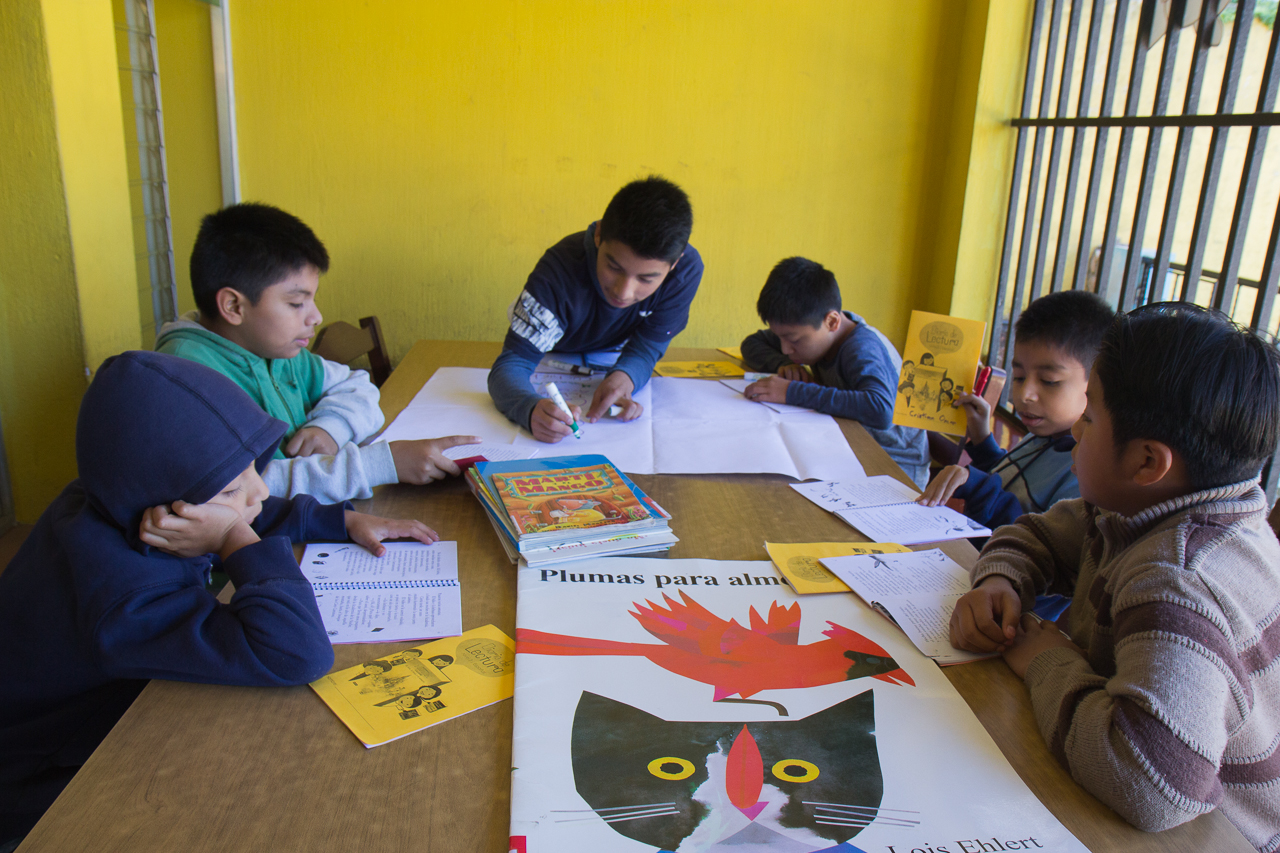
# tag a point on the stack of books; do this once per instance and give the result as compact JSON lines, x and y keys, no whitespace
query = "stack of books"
{"x":565,"y":508}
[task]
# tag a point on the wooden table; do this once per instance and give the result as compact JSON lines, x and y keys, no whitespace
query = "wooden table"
{"x":195,"y":767}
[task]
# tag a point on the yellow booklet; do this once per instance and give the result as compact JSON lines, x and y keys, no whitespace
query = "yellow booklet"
{"x":799,"y":563}
{"x":939,"y":362}
{"x":699,"y":369}
{"x":732,"y":352}
{"x":393,"y":696}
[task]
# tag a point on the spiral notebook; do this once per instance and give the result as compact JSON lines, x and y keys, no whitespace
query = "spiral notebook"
{"x":410,"y":593}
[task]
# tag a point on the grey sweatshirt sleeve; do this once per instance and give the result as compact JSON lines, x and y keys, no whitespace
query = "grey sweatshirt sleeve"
{"x":348,"y":409}
{"x":349,"y":474}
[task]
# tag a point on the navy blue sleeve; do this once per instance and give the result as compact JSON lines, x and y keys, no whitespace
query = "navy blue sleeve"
{"x":270,"y":634}
{"x":985,"y":455}
{"x":870,"y":381}
{"x":509,"y":381}
{"x":986,"y":501}
{"x":638,"y":358}
{"x":302,"y":519}
{"x":762,"y":351}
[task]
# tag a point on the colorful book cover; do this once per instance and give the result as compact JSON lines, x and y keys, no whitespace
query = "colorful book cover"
{"x":701,"y":706}
{"x":571,"y":499}
{"x":699,"y":369}
{"x":397,"y":695}
{"x":939,"y":363}
{"x":799,"y":564}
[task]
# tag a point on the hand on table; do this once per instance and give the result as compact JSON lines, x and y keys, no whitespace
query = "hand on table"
{"x":943,"y":486}
{"x":548,"y":423}
{"x":986,"y":617}
{"x":615,"y":390}
{"x":771,"y":389}
{"x":1035,"y":636}
{"x":423,"y":461}
{"x":189,"y":530}
{"x":370,"y":530}
{"x":795,"y":372}
{"x":309,"y":441}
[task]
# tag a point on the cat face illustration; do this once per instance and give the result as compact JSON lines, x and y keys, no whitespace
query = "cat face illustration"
{"x":796,"y":785}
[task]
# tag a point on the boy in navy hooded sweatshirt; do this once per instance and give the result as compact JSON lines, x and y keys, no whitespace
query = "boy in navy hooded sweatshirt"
{"x":109,"y":588}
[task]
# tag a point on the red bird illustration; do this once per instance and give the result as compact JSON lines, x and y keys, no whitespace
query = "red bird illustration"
{"x":734,"y":660}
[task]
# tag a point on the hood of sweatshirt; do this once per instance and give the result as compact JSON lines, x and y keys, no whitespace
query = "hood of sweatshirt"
{"x":188,"y":328}
{"x":155,"y":428}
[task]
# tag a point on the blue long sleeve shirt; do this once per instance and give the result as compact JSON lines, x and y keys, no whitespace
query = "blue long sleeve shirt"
{"x":562,"y":310}
{"x":1031,"y":477}
{"x":858,"y":382}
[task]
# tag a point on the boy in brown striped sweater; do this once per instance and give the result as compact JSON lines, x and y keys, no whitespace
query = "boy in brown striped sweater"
{"x":1164,"y":702}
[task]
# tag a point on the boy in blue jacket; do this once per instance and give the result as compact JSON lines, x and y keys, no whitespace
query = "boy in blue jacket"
{"x":855,"y":368}
{"x":1056,"y":340}
{"x":109,"y":588}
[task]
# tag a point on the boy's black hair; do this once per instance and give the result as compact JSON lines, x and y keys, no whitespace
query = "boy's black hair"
{"x":1194,"y":380}
{"x":652,"y":217}
{"x":1072,"y":320}
{"x":797,"y":292}
{"x":249,"y":247}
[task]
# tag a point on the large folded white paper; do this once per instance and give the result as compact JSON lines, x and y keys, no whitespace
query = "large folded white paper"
{"x":689,"y":426}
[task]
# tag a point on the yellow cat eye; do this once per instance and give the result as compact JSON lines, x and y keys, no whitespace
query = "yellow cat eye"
{"x":795,"y":770}
{"x":686,"y":768}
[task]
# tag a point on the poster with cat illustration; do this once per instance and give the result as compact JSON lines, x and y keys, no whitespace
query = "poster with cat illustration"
{"x":700,"y":706}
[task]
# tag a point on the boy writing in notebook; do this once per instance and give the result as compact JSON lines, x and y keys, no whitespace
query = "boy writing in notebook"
{"x":1056,"y":340}
{"x":1164,"y":700}
{"x":255,"y":271}
{"x":108,"y":590}
{"x":855,"y":368}
{"x":623,"y":285}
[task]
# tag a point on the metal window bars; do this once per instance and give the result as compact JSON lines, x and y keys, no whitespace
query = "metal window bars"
{"x":1135,"y":215}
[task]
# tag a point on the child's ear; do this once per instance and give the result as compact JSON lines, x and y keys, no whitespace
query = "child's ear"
{"x":832,"y":320}
{"x":231,"y":305}
{"x":1150,"y":462}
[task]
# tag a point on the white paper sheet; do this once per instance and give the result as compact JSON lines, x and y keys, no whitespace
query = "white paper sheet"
{"x":740,"y":385}
{"x":911,"y":524}
{"x":882,"y":490}
{"x":917,"y":590}
{"x":689,"y":426}
{"x":492,"y":452}
{"x":409,"y":593}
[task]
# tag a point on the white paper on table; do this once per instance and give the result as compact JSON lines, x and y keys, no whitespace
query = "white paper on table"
{"x":740,"y":385}
{"x":492,"y":452}
{"x":911,"y":524}
{"x":881,"y":490}
{"x":409,"y":593}
{"x":688,"y":426}
{"x":917,"y":590}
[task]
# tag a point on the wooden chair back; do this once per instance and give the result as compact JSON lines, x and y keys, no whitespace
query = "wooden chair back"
{"x":344,"y":343}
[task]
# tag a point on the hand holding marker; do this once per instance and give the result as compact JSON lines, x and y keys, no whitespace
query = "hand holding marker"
{"x":558,"y":399}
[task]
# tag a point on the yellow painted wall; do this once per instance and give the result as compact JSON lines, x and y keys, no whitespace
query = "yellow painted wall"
{"x":190,"y":127}
{"x":439,"y":148}
{"x":80,"y":38}
{"x":986,"y":195}
{"x":41,"y":359}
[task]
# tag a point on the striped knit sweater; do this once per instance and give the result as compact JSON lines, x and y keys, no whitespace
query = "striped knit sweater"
{"x":1175,"y":708}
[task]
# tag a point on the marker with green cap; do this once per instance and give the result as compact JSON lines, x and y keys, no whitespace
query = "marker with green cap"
{"x":558,"y":399}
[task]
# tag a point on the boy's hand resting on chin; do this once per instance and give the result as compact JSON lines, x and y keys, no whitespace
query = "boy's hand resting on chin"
{"x":370,"y":530}
{"x":189,"y":530}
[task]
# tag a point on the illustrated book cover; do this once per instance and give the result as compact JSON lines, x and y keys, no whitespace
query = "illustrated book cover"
{"x":396,"y":695}
{"x":939,"y":363}
{"x":699,"y":706}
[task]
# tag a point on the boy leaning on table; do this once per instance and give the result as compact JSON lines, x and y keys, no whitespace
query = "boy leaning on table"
{"x":855,"y":368}
{"x":108,"y":590}
{"x":254,"y":271}
{"x":624,"y":285}
{"x":1164,"y":702}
